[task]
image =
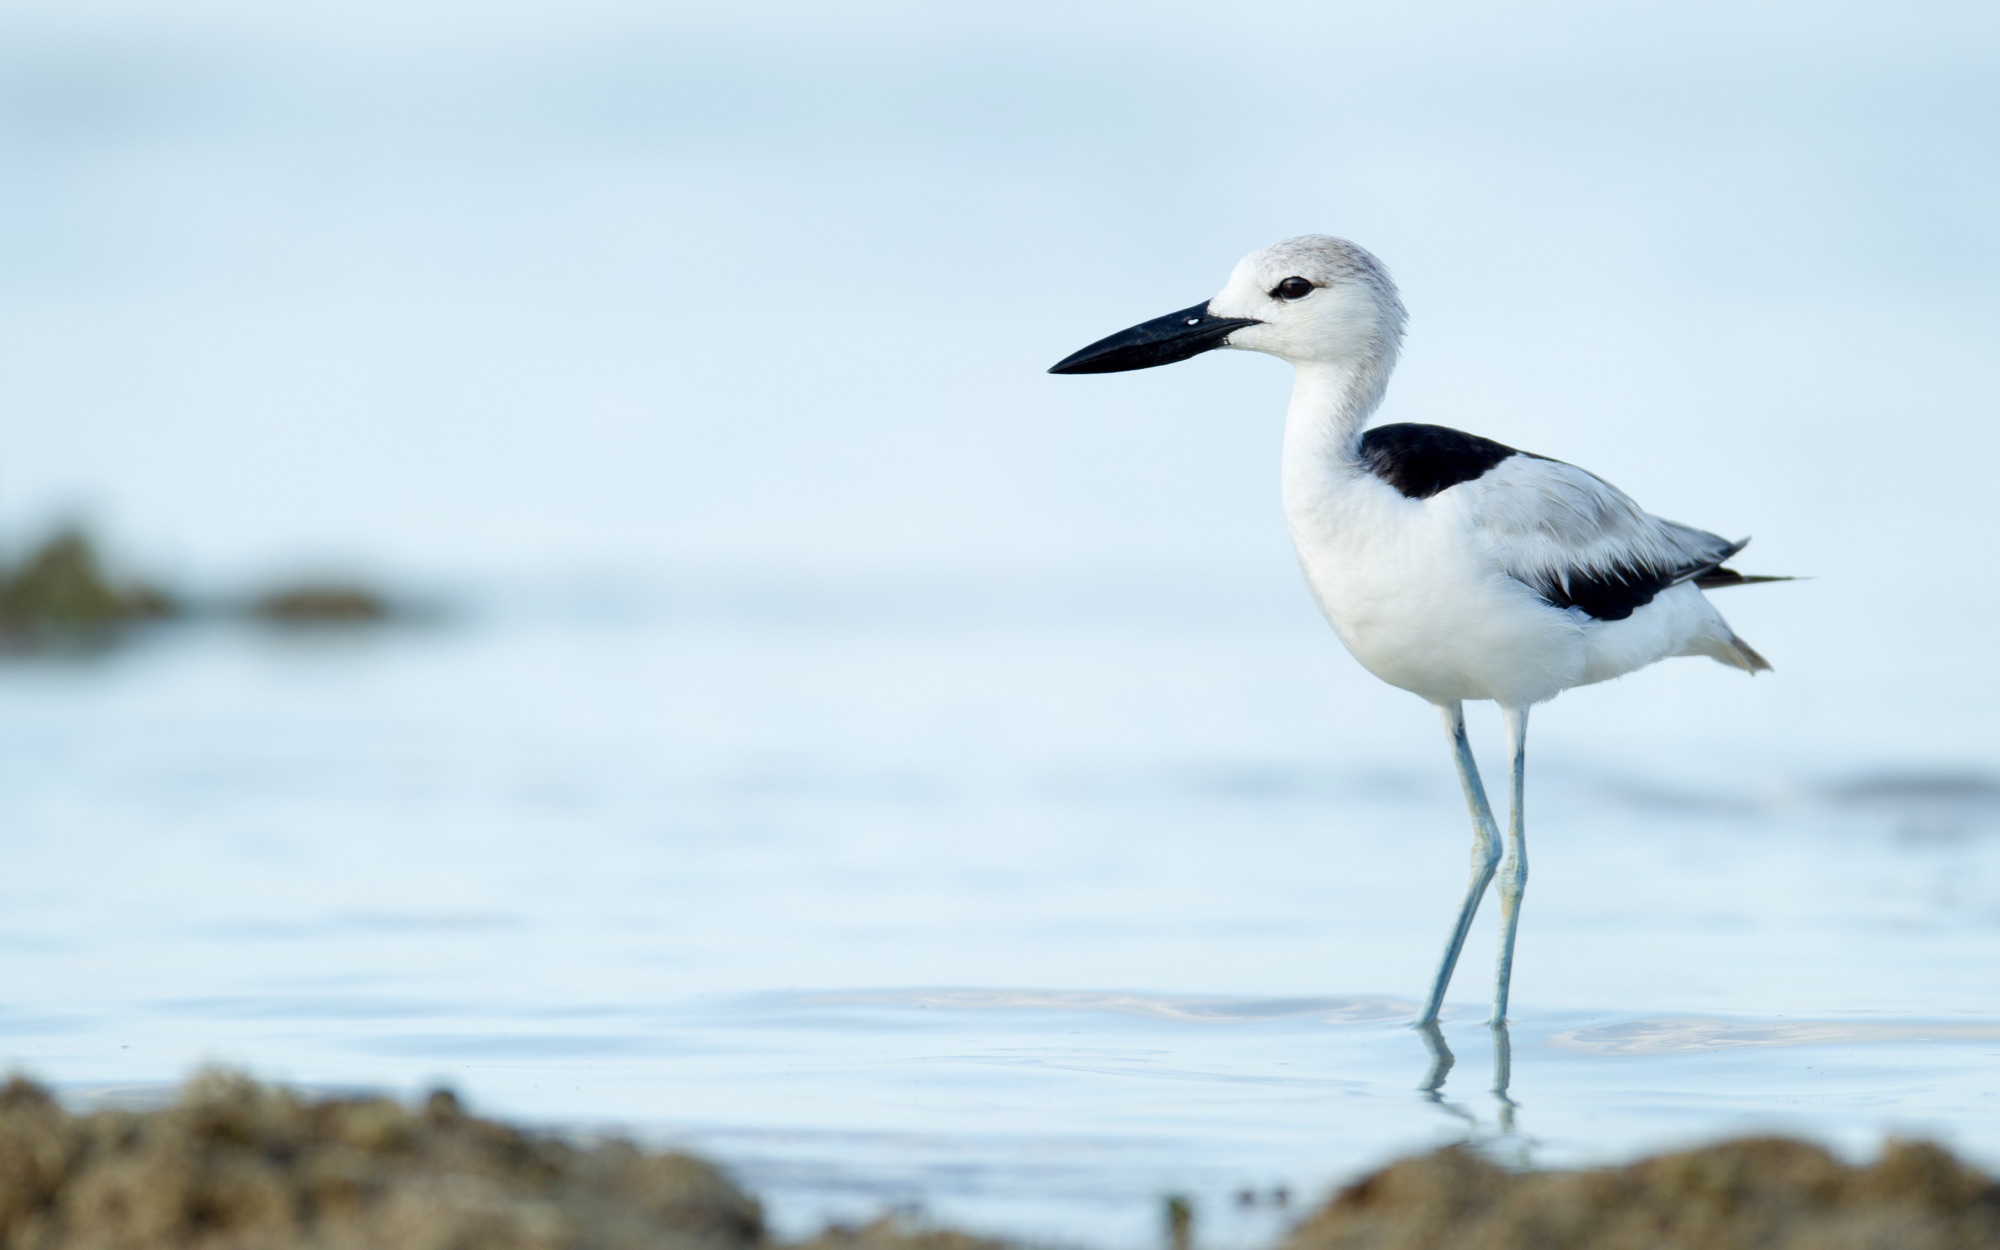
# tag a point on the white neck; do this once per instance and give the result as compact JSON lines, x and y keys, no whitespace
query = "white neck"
{"x":1331,"y":403}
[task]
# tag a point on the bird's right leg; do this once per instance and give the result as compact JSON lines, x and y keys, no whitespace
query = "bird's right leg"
{"x":1485,"y":854}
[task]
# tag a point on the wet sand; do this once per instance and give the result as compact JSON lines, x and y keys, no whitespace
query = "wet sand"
{"x":234,"y":1164}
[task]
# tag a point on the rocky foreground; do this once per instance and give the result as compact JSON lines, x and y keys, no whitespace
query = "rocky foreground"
{"x":1758,"y":1193}
{"x":235,"y":1165}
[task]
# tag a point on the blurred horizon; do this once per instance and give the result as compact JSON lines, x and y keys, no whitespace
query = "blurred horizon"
{"x":611,"y":295}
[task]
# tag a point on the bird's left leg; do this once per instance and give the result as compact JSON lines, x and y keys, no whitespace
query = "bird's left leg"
{"x":1514,"y":872}
{"x":1485,"y":856}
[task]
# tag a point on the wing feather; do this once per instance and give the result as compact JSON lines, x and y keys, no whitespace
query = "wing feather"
{"x":1581,"y":542}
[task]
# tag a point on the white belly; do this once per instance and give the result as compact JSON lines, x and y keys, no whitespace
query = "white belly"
{"x":1419,"y":611}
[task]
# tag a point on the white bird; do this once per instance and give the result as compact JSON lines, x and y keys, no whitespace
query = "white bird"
{"x":1450,"y":565}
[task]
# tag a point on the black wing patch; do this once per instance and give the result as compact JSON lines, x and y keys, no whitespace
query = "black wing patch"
{"x":1616,"y":593}
{"x":1607,"y":595}
{"x":1421,"y":460}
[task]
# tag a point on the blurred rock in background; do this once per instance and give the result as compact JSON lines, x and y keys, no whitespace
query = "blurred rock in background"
{"x":320,"y":603}
{"x":60,"y":593}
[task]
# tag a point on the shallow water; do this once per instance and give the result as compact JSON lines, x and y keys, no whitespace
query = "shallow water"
{"x":1027,"y":908}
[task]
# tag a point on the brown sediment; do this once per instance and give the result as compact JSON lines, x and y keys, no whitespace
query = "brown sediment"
{"x":1758,"y":1193}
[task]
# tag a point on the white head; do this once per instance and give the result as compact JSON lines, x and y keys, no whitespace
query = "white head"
{"x":1310,"y":300}
{"x":1316,"y":299}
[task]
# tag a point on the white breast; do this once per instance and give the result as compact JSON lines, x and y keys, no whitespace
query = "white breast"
{"x":1406,"y":585}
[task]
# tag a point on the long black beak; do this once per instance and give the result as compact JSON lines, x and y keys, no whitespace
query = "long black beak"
{"x":1161,"y":341}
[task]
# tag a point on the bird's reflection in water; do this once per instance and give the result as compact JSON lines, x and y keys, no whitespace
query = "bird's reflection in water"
{"x":1442,"y":1062}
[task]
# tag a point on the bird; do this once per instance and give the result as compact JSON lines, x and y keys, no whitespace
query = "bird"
{"x":1450,"y":565}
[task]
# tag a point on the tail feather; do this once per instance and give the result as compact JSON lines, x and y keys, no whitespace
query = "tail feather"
{"x":1717,"y":578}
{"x":1739,"y":654}
{"x":1730,"y":649}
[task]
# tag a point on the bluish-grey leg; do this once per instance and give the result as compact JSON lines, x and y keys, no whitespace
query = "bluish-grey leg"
{"x":1514,"y":874}
{"x":1485,"y":854}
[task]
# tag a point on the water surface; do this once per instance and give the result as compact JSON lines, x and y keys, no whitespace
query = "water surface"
{"x":1026,"y":910}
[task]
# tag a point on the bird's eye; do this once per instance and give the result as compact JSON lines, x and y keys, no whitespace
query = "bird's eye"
{"x":1292,"y":288}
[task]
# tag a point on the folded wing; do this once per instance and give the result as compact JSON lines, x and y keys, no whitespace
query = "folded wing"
{"x":1582,"y":543}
